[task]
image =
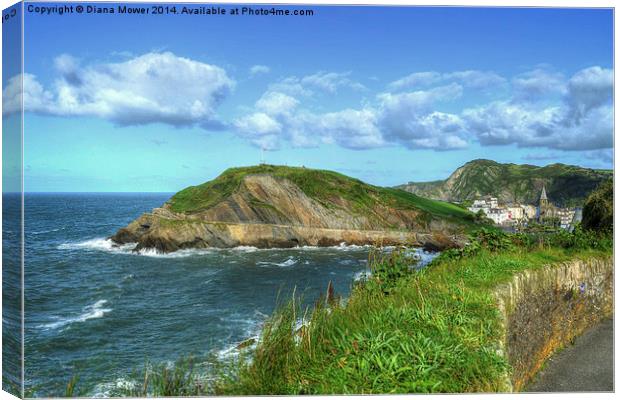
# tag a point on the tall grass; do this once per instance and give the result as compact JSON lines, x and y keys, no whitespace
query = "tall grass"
{"x":401,"y":330}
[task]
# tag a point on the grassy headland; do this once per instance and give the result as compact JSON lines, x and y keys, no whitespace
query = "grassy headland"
{"x":321,"y":185}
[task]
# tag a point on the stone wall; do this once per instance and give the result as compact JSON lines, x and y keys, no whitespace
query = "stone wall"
{"x":545,"y":309}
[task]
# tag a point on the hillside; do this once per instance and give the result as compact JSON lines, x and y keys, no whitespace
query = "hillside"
{"x":276,"y":206}
{"x":566,"y":185}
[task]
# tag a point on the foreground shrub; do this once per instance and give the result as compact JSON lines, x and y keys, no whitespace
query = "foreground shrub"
{"x":598,"y":210}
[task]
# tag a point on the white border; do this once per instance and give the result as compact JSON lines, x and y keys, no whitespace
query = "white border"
{"x":478,"y":3}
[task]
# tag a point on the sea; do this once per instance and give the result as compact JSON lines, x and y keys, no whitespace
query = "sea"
{"x":101,"y":312}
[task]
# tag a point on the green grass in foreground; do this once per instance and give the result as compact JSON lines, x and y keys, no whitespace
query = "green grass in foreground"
{"x":401,"y":330}
{"x":405,"y":332}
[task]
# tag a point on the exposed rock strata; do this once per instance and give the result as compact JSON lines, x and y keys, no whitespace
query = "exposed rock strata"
{"x":266,"y":212}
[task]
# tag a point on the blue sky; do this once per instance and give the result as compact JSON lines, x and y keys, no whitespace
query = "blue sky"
{"x":388,"y":95}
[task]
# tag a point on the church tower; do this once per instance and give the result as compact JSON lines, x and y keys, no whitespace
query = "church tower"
{"x":544,"y":202}
{"x":544,"y":210}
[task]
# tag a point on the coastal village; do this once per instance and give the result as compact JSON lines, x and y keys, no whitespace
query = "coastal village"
{"x":517,"y":216}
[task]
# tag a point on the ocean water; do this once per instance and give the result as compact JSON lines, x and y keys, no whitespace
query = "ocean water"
{"x":101,"y":312}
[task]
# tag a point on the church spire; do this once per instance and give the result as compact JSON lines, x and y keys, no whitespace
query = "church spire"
{"x":543,"y":194}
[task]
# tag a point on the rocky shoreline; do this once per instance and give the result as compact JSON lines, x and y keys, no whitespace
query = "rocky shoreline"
{"x":166,"y":232}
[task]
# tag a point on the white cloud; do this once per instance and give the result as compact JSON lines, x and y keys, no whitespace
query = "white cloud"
{"x":405,"y":118}
{"x":353,"y":129}
{"x":261,"y":129}
{"x":34,"y":95}
{"x":505,"y":122}
{"x":434,"y":130}
{"x":470,"y":78}
{"x":323,"y":82}
{"x":259,"y":69}
{"x":410,"y":119}
{"x":415,"y":102}
{"x":330,"y":82}
{"x":537,"y":84}
{"x":583,"y":120}
{"x":544,"y":109}
{"x":258,"y":124}
{"x":154,"y":87}
{"x":588,"y":89}
{"x":276,"y":103}
{"x":291,"y":86}
{"x":475,"y":79}
{"x":416,"y":79}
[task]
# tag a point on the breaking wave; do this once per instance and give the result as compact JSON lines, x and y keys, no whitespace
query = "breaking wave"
{"x":289,"y":262}
{"x":92,"y":311}
{"x":101,"y":244}
{"x":107,"y":245}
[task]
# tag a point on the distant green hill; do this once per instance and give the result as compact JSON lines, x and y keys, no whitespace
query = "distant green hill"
{"x":566,"y":185}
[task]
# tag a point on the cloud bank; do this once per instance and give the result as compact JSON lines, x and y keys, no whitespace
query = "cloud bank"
{"x":154,"y":87}
{"x":540,"y":108}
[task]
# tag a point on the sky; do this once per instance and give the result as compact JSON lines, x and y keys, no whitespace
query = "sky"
{"x":385,"y":94}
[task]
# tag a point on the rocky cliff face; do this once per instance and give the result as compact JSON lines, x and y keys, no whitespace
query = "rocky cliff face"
{"x":566,"y":185}
{"x":270,"y":210}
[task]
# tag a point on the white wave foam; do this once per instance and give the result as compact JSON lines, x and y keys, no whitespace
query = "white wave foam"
{"x":361,"y":275}
{"x":342,"y":247}
{"x":252,"y":329}
{"x":46,"y":231}
{"x":289,"y":262}
{"x":175,"y":254}
{"x":246,"y":249}
{"x":101,"y":244}
{"x":92,"y":311}
{"x":108,"y":389}
{"x":107,"y":245}
{"x":251,"y":249}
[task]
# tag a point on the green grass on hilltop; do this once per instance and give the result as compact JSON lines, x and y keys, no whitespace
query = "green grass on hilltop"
{"x":321,"y":185}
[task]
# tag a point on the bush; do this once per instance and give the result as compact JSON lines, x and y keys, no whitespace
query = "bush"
{"x":581,"y":239}
{"x":489,"y":239}
{"x":598,"y":211}
{"x":388,"y":268}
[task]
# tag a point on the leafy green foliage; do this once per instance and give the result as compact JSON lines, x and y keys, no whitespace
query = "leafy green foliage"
{"x":581,"y":239}
{"x":598,"y":211}
{"x":389,"y":268}
{"x":496,"y":241}
{"x":492,"y":240}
